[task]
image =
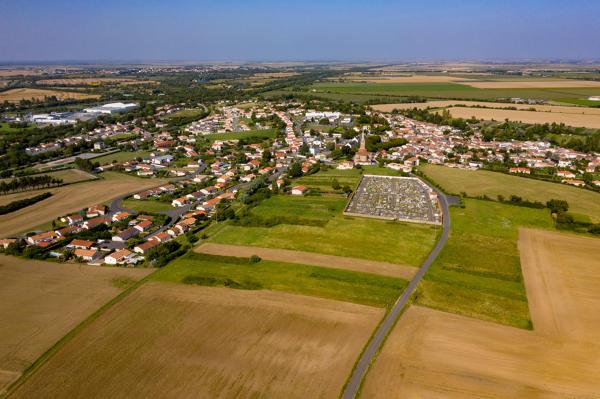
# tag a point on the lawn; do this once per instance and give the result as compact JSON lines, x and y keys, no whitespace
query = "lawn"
{"x":264,"y":133}
{"x":478,"y":273}
{"x":120,"y":156}
{"x":5,"y":128}
{"x":387,"y":241}
{"x":323,"y":179}
{"x":492,"y":184}
{"x":67,"y":175}
{"x":150,"y":206}
{"x":350,"y":286}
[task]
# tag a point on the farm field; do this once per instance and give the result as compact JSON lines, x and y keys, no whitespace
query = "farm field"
{"x":92,"y":81}
{"x":152,"y":206}
{"x":5,"y":128}
{"x":41,"y":301}
{"x":16,"y":95}
{"x":569,"y":119}
{"x":449,"y":103}
{"x":492,"y":184}
{"x":236,"y":272}
{"x":188,"y":341}
{"x":478,"y":272}
{"x":310,"y":258}
{"x":437,"y":354}
{"x":385,"y":241}
{"x":67,"y":175}
{"x":452,"y":91}
{"x":120,"y":156}
{"x":266,"y":133}
{"x":70,"y":198}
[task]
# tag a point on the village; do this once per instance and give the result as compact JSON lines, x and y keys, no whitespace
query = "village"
{"x":206,"y":171}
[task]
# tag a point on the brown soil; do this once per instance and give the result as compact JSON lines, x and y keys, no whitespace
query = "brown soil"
{"x":432,"y":354}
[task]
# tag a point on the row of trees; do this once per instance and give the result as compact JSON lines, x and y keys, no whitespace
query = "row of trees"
{"x":29,"y":183}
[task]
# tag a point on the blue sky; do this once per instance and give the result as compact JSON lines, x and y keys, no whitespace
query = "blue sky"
{"x":298,"y":30}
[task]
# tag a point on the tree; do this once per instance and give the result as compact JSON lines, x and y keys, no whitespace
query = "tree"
{"x":347,"y":190}
{"x":295,"y":170}
{"x":335,"y":184}
{"x":304,"y":150}
{"x":557,"y":206}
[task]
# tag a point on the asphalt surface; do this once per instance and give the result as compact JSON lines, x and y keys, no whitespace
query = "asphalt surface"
{"x":388,"y":323}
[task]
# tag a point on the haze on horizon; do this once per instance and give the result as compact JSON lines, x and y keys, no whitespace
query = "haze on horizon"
{"x":310,"y":30}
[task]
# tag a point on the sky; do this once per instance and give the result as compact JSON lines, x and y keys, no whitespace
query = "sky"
{"x":305,"y":30}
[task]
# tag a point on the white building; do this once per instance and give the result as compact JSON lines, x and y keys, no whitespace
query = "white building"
{"x":111,"y":108}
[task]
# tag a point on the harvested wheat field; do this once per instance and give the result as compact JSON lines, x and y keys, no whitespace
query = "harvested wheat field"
{"x":16,"y":95}
{"x":70,"y":198}
{"x":405,"y":78}
{"x":93,"y":81}
{"x":449,"y":103}
{"x":532,"y":84}
{"x":577,"y":120}
{"x":311,"y":258}
{"x":432,"y":354}
{"x":168,"y":340}
{"x":41,"y":301}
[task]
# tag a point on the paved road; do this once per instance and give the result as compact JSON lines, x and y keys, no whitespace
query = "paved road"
{"x":388,"y":323}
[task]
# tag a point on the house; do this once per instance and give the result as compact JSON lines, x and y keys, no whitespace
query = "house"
{"x":146,"y":247}
{"x":5,"y":242}
{"x":566,"y":174}
{"x":525,"y":171}
{"x":91,"y":223}
{"x":143,"y":225}
{"x":119,"y":216}
{"x":88,"y":255}
{"x":181,"y":227}
{"x":248,"y":178}
{"x":46,"y":237}
{"x":67,"y":230}
{"x":80,"y":244}
{"x":73,"y":219}
{"x":126,"y":234}
{"x":179,"y":202}
{"x":96,"y":210}
{"x":572,"y":182}
{"x":596,"y":183}
{"x":346,"y":165}
{"x":298,"y":190}
{"x":160,"y":237}
{"x":121,"y":256}
{"x":209,"y":205}
{"x":209,"y":190}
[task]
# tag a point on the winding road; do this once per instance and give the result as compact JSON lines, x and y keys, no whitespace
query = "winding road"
{"x":376,"y":342}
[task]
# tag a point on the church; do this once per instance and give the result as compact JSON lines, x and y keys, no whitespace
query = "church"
{"x":362,"y":156}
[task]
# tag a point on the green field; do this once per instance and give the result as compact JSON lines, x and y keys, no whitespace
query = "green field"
{"x":5,"y":128}
{"x":266,"y":133}
{"x":232,"y":272}
{"x":396,"y":242}
{"x":448,"y":91}
{"x":120,"y":156}
{"x":151,"y":205}
{"x":492,"y":184}
{"x":323,"y":179}
{"x":478,"y":273}
{"x":186,"y":113}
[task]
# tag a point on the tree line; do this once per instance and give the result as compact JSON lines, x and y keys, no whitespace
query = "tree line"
{"x":29,"y":183}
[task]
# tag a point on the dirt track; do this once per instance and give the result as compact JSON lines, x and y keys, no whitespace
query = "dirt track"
{"x":41,"y":301}
{"x":310,"y":258}
{"x":432,"y":354}
{"x":171,"y":340}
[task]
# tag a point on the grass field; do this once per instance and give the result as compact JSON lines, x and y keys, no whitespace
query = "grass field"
{"x":385,"y":241}
{"x":492,"y":184}
{"x":452,"y":91}
{"x":71,"y":198}
{"x":120,"y":156}
{"x":323,"y":179}
{"x":41,"y":301}
{"x":478,"y":272}
{"x":432,"y":354}
{"x":343,"y":285}
{"x":5,"y":128}
{"x":16,"y":95}
{"x":152,"y":206}
{"x":266,"y":133}
{"x":169,"y":340}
